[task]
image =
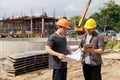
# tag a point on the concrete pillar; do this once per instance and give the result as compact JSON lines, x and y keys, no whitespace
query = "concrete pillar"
{"x":31,"y":26}
{"x":42,"y":27}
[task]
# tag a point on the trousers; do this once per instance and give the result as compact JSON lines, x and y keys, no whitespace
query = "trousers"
{"x":92,"y":72}
{"x":59,"y":74}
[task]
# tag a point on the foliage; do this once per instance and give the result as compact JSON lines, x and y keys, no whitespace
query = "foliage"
{"x":111,"y":44}
{"x":109,"y":15}
{"x":74,"y":20}
{"x":117,"y":28}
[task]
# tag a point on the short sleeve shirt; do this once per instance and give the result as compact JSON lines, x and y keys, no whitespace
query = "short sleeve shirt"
{"x":58,"y":44}
{"x":97,"y":41}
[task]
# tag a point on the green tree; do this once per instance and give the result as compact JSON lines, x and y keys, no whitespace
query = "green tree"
{"x":109,"y":15}
{"x":74,"y":20}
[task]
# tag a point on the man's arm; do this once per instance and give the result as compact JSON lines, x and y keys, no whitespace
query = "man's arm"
{"x":98,"y":51}
{"x":92,"y":50}
{"x":54,"y":53}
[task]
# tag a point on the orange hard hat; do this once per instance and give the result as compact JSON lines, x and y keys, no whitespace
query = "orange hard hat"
{"x":63,"y":23}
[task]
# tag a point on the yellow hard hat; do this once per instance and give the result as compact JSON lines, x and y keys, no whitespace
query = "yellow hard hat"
{"x":90,"y":24}
{"x":63,"y":23}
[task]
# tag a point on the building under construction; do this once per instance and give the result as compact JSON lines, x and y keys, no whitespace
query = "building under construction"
{"x":27,"y":27}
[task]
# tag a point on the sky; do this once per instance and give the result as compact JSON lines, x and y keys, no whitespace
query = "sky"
{"x":57,"y":8}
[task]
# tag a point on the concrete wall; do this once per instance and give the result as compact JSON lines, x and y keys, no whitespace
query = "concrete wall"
{"x":11,"y":46}
{"x":19,"y":45}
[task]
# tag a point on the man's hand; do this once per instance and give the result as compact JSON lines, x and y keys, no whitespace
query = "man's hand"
{"x":61,"y":56}
{"x":86,"y":49}
{"x":91,"y":50}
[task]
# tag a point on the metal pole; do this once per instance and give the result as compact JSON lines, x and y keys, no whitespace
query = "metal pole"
{"x":42,"y":25}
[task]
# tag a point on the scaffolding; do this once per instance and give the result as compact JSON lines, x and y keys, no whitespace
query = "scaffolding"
{"x":28,"y":27}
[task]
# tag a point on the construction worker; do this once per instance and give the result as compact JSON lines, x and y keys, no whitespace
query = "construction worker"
{"x":56,"y":47}
{"x":92,"y":45}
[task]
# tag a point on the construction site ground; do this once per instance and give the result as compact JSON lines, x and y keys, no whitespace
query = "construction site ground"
{"x":110,"y":70}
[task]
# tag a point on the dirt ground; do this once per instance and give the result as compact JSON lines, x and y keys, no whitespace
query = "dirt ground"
{"x":110,"y":70}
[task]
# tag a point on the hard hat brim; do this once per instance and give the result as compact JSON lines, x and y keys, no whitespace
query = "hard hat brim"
{"x":86,"y":27}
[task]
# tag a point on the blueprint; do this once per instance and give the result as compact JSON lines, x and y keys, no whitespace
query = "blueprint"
{"x":75,"y":56}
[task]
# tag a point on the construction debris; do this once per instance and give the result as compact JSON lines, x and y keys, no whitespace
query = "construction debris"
{"x":25,"y":62}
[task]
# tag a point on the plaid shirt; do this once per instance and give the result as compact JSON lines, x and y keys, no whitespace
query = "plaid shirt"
{"x":98,"y":42}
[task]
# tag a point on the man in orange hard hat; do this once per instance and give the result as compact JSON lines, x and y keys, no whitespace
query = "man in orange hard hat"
{"x":92,"y":45}
{"x":56,"y":47}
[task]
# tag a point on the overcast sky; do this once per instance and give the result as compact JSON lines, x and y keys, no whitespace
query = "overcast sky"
{"x":59,"y":7}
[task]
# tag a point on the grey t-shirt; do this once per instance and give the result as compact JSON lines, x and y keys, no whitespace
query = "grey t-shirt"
{"x":58,"y":44}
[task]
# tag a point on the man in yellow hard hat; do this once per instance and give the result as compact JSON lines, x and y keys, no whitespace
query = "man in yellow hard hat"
{"x":56,"y":47}
{"x":92,"y":45}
